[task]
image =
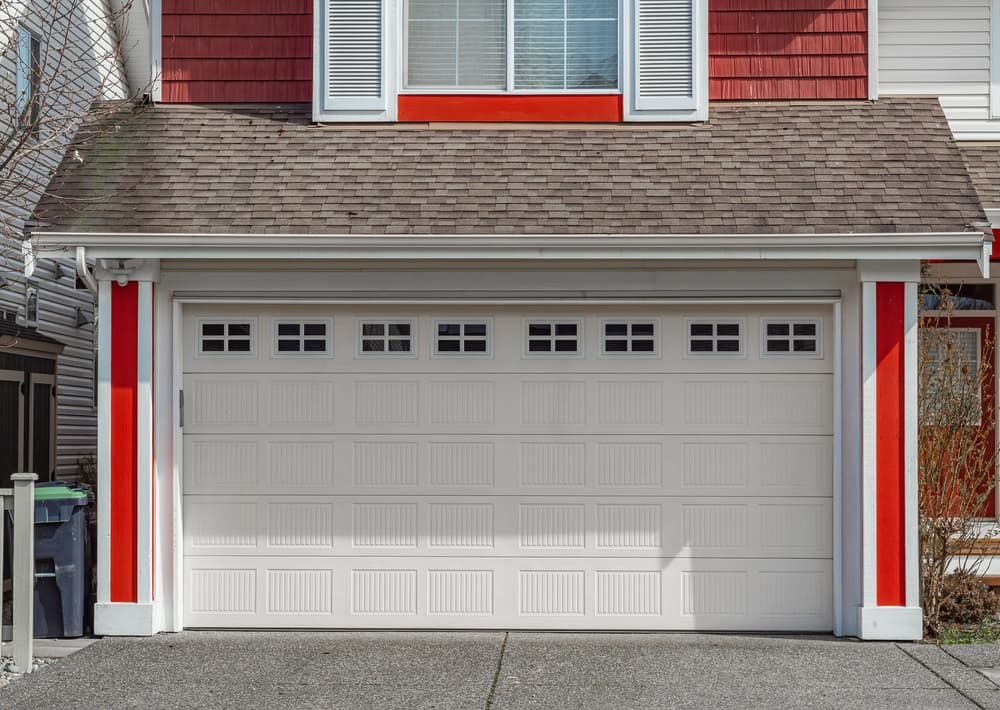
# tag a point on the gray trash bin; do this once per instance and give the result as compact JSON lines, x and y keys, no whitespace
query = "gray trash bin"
{"x":62,"y":564}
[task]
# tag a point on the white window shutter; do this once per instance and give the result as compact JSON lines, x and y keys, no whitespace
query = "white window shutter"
{"x":669,"y":59}
{"x":355,"y":55}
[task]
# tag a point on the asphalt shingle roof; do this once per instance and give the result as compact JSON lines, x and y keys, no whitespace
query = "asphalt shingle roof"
{"x":983,"y":163}
{"x":889,"y":166}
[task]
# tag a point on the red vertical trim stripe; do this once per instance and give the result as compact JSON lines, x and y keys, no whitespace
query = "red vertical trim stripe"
{"x":124,"y":427}
{"x":889,"y":453}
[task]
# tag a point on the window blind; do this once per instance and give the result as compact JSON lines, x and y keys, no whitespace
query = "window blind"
{"x":456,"y":44}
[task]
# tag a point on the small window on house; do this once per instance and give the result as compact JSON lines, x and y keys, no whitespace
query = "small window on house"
{"x":627,"y":337}
{"x":28,"y":78}
{"x":302,"y":337}
{"x":217,"y":337}
{"x":552,"y":337}
{"x":386,"y":337}
{"x":949,"y":379}
{"x":458,"y":337}
{"x":504,"y":45}
{"x":792,"y":337}
{"x":715,"y":337}
{"x":959,"y":297}
{"x":31,"y":305}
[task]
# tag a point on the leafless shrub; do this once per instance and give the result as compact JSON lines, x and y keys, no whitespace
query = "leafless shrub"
{"x":957,"y":453}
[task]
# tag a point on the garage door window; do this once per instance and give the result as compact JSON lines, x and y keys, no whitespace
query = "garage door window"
{"x":462,"y":338}
{"x":302,"y":338}
{"x":628,"y":337}
{"x":226,"y":336}
{"x":386,"y":337}
{"x":707,"y":337}
{"x":543,"y":337}
{"x":791,"y":338}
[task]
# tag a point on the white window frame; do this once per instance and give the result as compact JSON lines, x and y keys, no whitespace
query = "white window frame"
{"x":792,"y":321}
{"x":277,"y":320}
{"x":509,"y":59}
{"x":526,"y":323}
{"x":360,"y":352}
{"x":226,"y":321}
{"x":715,"y":321}
{"x":462,"y":322}
{"x":630,"y":321}
{"x":32,"y":82}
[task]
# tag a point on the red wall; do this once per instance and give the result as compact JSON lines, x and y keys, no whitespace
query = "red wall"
{"x":237,"y":51}
{"x":258,"y":51}
{"x":788,"y":49}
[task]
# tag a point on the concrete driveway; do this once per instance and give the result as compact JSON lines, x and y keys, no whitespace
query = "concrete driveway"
{"x":516,"y":670}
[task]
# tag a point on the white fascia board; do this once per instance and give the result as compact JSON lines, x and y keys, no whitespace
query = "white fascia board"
{"x":955,"y":246}
{"x":993,"y":214}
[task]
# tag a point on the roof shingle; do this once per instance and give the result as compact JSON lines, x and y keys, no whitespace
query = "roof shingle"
{"x":889,"y":166}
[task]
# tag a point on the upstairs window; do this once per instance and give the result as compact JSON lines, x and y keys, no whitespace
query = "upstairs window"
{"x":654,"y":53}
{"x":550,"y":45}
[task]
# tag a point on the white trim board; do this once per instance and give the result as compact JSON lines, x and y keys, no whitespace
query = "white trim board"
{"x":961,"y":246}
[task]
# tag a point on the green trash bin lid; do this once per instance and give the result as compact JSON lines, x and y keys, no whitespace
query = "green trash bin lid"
{"x":58,"y":493}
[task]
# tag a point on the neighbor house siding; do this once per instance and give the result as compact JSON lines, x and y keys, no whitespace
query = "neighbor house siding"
{"x":788,"y":49}
{"x":940,"y":48}
{"x":77,"y":32}
{"x":233,"y":51}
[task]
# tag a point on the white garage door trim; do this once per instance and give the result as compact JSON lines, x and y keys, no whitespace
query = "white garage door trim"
{"x":824,"y":300}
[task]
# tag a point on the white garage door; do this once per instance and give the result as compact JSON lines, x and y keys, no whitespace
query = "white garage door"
{"x":524,"y":468}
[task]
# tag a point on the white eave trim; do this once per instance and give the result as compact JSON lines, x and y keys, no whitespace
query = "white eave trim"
{"x":960,"y":246}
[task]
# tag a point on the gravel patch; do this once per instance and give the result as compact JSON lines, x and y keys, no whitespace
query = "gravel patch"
{"x":7,"y":674}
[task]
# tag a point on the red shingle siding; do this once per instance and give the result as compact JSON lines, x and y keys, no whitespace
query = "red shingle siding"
{"x":788,"y":49}
{"x":234,"y":51}
{"x":237,"y":51}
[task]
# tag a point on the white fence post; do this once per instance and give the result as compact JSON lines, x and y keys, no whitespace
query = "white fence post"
{"x":23,"y":569}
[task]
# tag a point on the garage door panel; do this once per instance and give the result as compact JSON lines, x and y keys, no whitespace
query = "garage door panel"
{"x":510,"y":404}
{"x":505,"y":465}
{"x":759,"y":594}
{"x":498,"y":526}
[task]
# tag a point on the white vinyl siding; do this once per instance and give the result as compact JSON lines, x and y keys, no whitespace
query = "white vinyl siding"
{"x":65,"y":313}
{"x":943,"y":49}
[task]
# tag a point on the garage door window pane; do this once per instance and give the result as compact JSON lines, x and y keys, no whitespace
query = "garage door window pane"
{"x":219,"y":336}
{"x":723,"y":337}
{"x":553,"y":337}
{"x":791,"y":337}
{"x":302,"y":337}
{"x":454,"y":337}
{"x":625,"y":337}
{"x":386,"y":337}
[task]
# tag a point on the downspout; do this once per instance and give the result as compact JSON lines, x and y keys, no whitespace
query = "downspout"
{"x":83,"y":272}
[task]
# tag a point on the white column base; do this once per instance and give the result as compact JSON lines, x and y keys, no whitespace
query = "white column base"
{"x":891,"y":623}
{"x":123,"y":619}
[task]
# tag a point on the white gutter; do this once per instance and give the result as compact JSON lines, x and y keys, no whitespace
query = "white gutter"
{"x":83,"y":272}
{"x":877,"y":246}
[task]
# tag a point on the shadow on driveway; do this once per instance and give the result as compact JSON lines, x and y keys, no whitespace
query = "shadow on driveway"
{"x":283,"y":669}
